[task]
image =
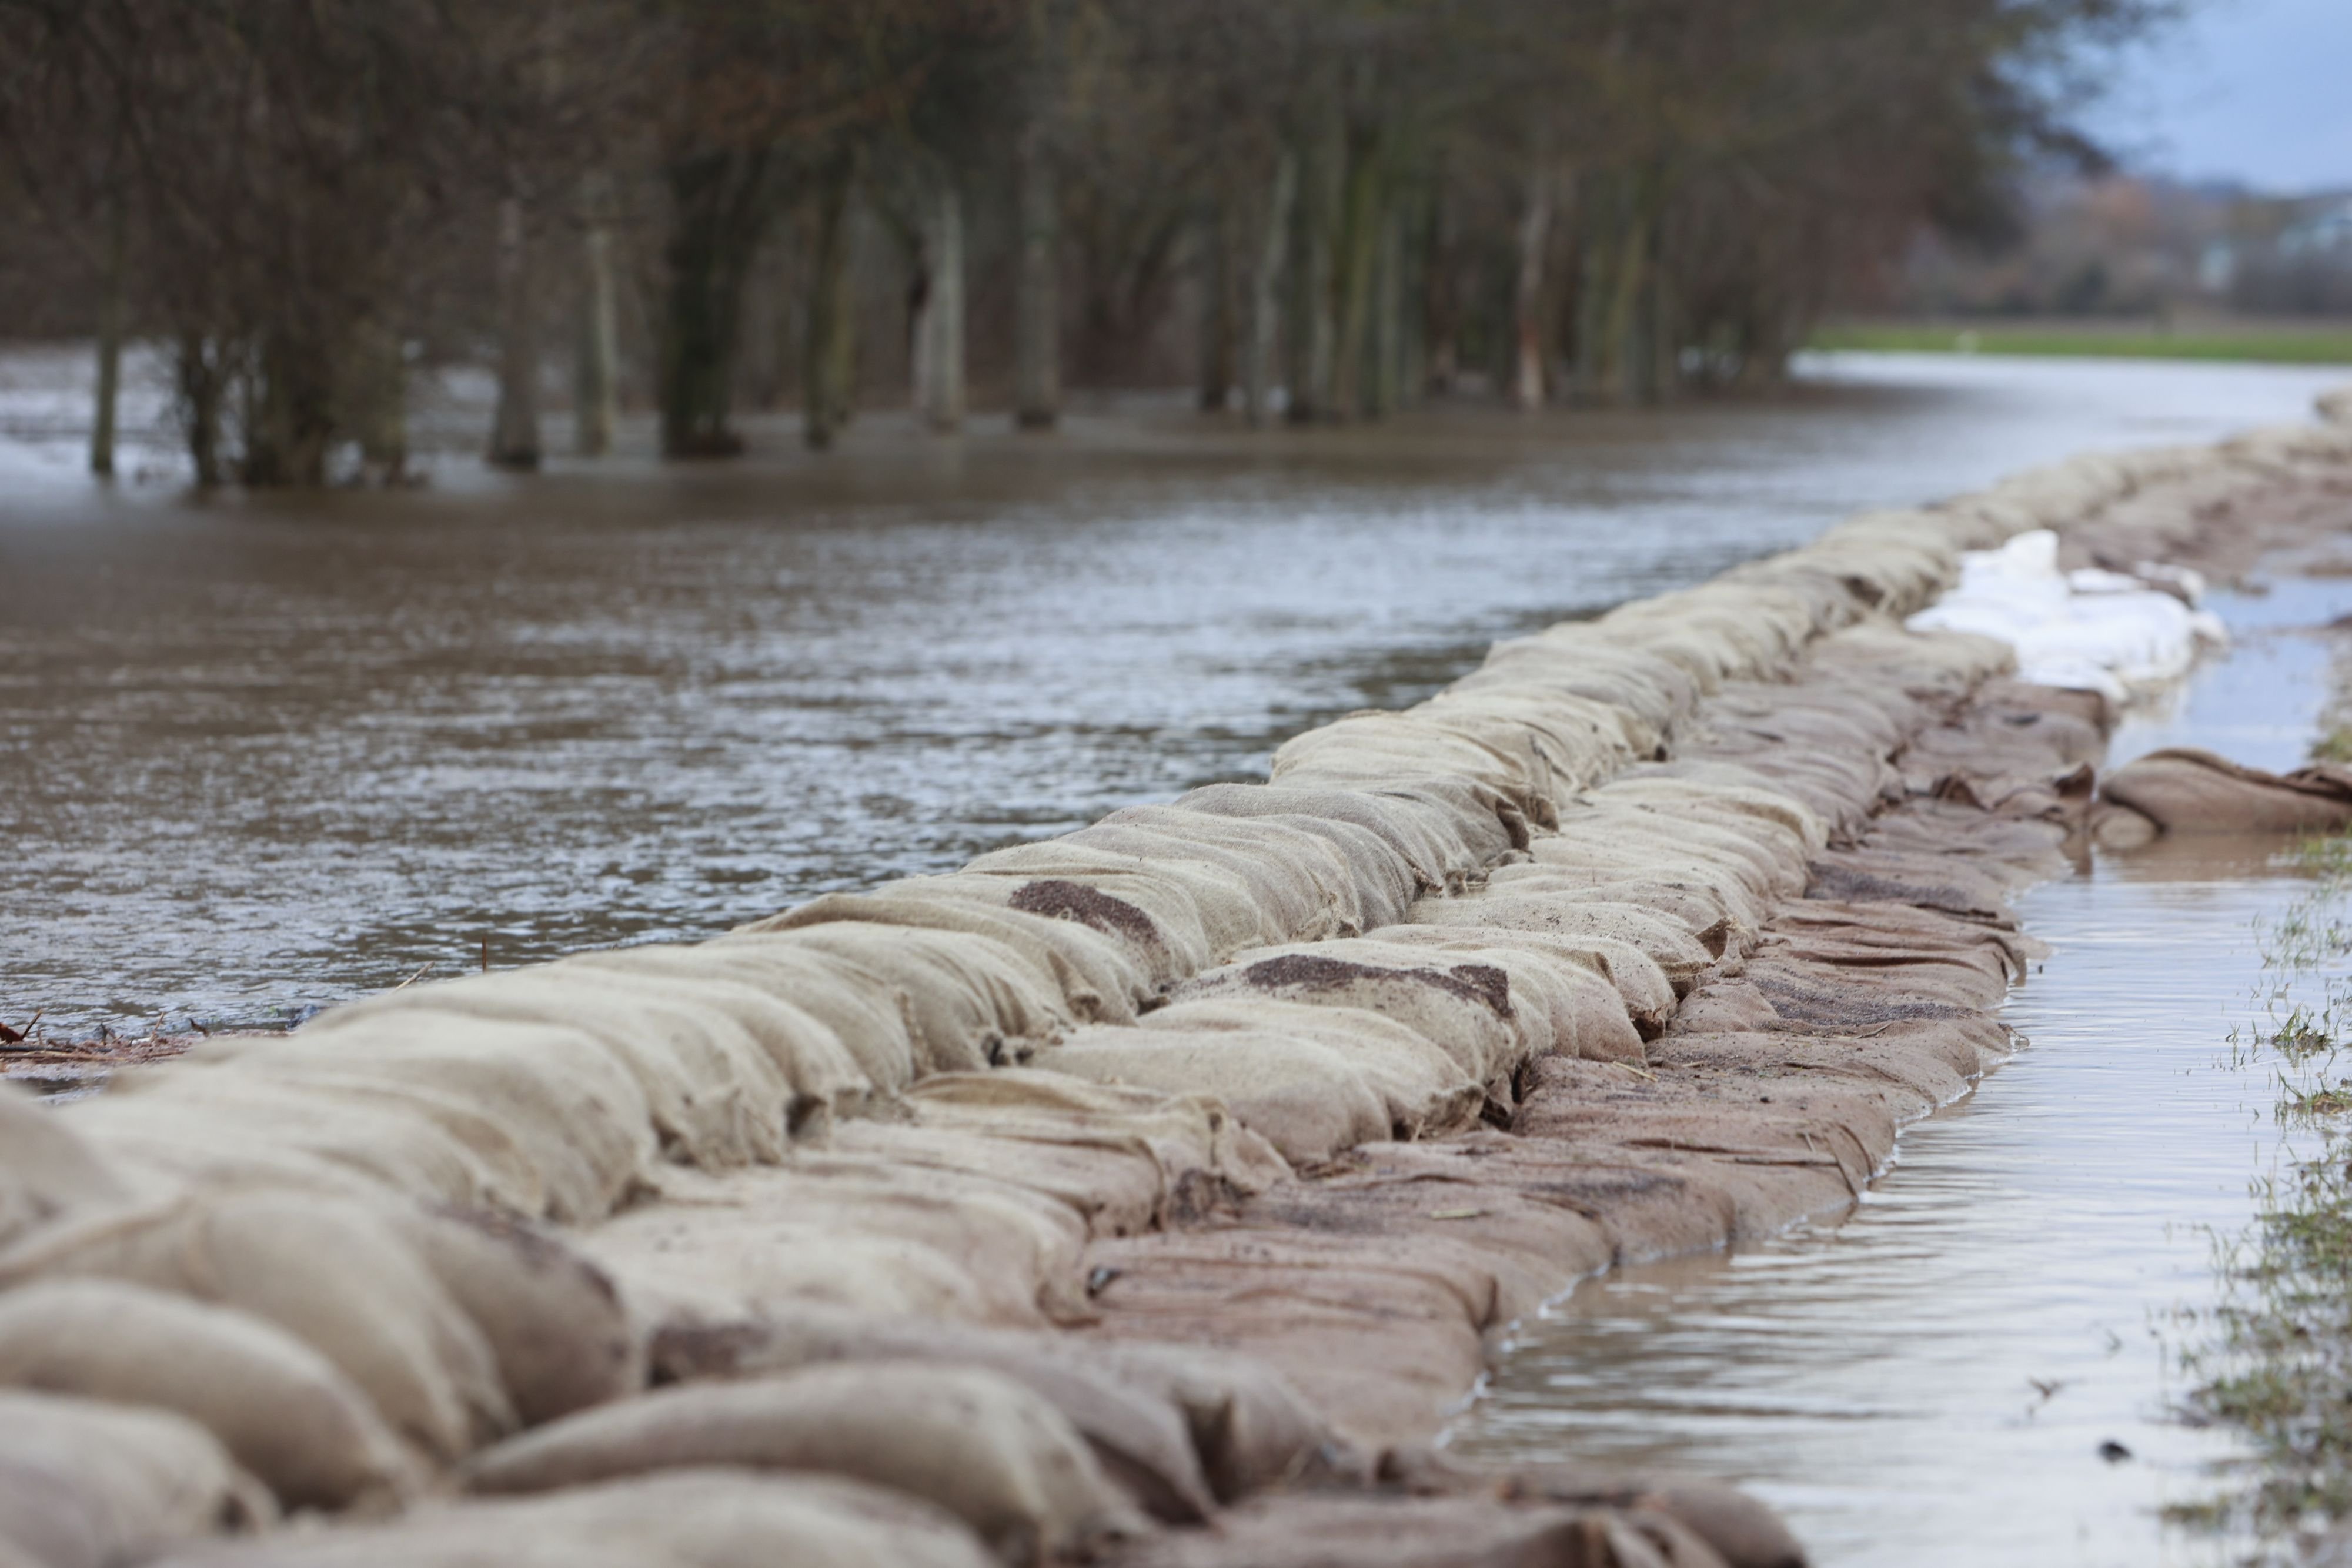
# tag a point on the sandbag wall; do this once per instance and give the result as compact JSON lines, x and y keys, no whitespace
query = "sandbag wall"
{"x":841,"y":1180}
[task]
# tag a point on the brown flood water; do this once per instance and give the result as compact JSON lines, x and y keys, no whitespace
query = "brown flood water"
{"x":262,"y":754}
{"x":1927,"y":1381}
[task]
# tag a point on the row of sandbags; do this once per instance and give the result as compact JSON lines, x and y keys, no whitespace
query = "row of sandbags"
{"x":830,"y":1110}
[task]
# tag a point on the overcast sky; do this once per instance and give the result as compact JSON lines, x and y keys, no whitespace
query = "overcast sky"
{"x":2256,"y":90}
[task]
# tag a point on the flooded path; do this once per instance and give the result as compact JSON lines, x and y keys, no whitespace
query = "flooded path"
{"x":268,"y":753}
{"x":1931,"y":1380}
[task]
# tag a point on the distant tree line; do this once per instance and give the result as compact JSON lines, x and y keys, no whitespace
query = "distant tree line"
{"x":1314,"y":209}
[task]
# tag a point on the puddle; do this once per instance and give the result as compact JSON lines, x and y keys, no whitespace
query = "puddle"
{"x":1931,"y":1380}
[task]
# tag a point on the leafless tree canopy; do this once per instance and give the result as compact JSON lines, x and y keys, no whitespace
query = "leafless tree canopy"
{"x":1327,"y":207}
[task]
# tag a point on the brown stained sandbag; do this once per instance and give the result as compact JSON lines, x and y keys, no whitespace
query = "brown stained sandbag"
{"x":1101,"y":978}
{"x":283,"y":1411}
{"x":331,"y":1272}
{"x":681,"y":1519}
{"x":46,"y":1167}
{"x":1199,"y":910}
{"x":1647,"y":996}
{"x":2184,"y":790}
{"x":1307,"y":888}
{"x":85,"y":1484}
{"x":1567,"y":984}
{"x":1337,"y":1531}
{"x":1249,"y":1426}
{"x":553,"y":1320}
{"x":1463,"y":1005}
{"x":970,"y":1441}
{"x":1142,"y":1439}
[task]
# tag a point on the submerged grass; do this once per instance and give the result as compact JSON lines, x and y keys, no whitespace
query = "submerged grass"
{"x":2300,"y":346}
{"x":2275,"y":1357}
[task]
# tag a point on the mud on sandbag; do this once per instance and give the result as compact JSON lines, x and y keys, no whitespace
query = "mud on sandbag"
{"x":1388,"y":1532}
{"x":331,"y":1272}
{"x":679,"y":1519}
{"x":1305,"y":886}
{"x":1199,"y":910}
{"x":1562,"y":996}
{"x":85,"y":1484}
{"x":1153,"y":921}
{"x":970,"y":1441}
{"x":284,"y":1412}
{"x":1141,"y":1436}
{"x":2182,"y":790}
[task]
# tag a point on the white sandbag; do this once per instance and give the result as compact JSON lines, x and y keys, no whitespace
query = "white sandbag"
{"x":85,"y":1484}
{"x":283,"y":1411}
{"x":46,"y":1167}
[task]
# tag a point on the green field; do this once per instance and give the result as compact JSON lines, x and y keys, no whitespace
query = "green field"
{"x":2284,"y":345}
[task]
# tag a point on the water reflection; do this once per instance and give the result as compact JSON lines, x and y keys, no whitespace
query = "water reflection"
{"x":265,"y":753}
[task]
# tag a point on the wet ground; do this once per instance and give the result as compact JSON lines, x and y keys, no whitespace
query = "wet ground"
{"x":261,"y":753}
{"x":1932,"y":1380}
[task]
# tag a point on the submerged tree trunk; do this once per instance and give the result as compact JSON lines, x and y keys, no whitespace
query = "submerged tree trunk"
{"x":1441,"y":311}
{"x":596,"y":377}
{"x":1527,"y":302}
{"x":1037,"y":297}
{"x":200,"y":382}
{"x":289,"y":422}
{"x":722,"y":208}
{"x":828,"y":338}
{"x":110,"y":313}
{"x":1265,"y":290}
{"x":938,"y":334}
{"x":514,"y":432}
{"x":378,"y":396}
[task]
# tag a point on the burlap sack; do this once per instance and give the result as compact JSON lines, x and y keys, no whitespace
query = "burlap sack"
{"x":1465,"y":1008}
{"x":971,"y":1441}
{"x":2185,"y":791}
{"x":46,"y":1166}
{"x":283,"y":1411}
{"x":90,"y":1485}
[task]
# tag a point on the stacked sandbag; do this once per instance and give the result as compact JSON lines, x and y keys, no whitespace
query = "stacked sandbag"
{"x":89,"y":1485}
{"x":675,"y":1518}
{"x":2182,"y":790}
{"x":973,"y":1442}
{"x":46,"y":1166}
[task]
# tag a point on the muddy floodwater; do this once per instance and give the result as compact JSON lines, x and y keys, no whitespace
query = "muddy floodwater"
{"x":1930,"y":1380}
{"x":262,"y":754}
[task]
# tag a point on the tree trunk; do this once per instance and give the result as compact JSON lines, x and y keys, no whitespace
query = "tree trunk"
{"x":1037,"y":302}
{"x":829,"y":341}
{"x":379,"y":400}
{"x":1528,"y":304}
{"x":514,"y":433}
{"x":939,"y":326}
{"x":289,"y":415}
{"x":1265,"y":290}
{"x":199,"y":379}
{"x":1388,"y":317}
{"x":1315,"y":337}
{"x":1441,"y":307}
{"x":722,"y":201}
{"x":1216,"y":308}
{"x":110,"y":313}
{"x":597,"y":380}
{"x":1360,"y":221}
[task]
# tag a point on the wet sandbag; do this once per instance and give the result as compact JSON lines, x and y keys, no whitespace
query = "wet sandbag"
{"x":1250,"y":1427}
{"x":973,"y":1442}
{"x":1101,"y":978}
{"x":1563,"y":995}
{"x":678,"y":1519}
{"x":1139,"y":1436}
{"x":1465,"y":1007}
{"x":1400,"y":841}
{"x":554,"y":1321}
{"x":85,"y":1484}
{"x":1367,"y":751}
{"x":283,"y":1411}
{"x":1574,"y":658}
{"x":1154,"y":920}
{"x":46,"y":1166}
{"x":1200,"y":909}
{"x":974,"y":1001}
{"x":2182,"y":790}
{"x":862,"y":1011}
{"x":334,"y":1273}
{"x":1305,"y":886}
{"x":1311,"y":1080}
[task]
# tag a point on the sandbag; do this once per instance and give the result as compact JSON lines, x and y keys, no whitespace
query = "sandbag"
{"x":1648,"y":994}
{"x":283,"y":1411}
{"x":45,"y":1168}
{"x":2182,"y":790}
{"x":331,"y":1272}
{"x":973,"y":1442}
{"x":1563,"y":997}
{"x":1141,"y":1437}
{"x":681,"y":1519}
{"x":1465,"y":1008}
{"x":554,"y":1321}
{"x":90,"y":1485}
{"x":1250,"y":1427}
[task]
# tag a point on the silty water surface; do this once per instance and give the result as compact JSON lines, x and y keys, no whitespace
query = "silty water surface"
{"x":1928,"y":1381}
{"x":267,"y":752}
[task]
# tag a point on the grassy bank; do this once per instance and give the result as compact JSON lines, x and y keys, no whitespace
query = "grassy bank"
{"x":2252,"y":343}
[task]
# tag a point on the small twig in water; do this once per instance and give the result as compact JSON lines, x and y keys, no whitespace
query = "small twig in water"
{"x":418,"y":976}
{"x":486,"y":955}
